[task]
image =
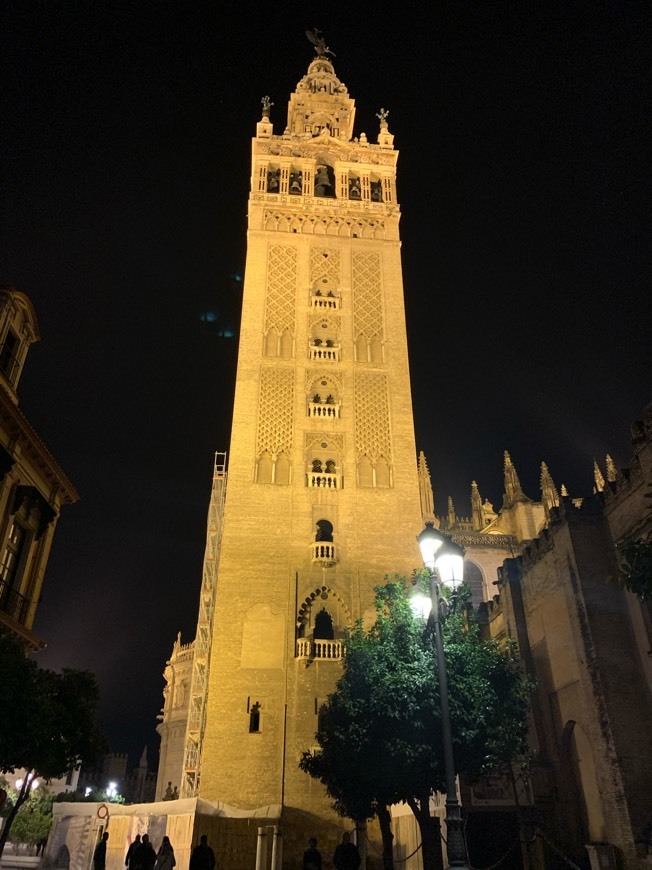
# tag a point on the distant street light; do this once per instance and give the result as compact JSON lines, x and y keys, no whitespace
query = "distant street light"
{"x":444,"y":560}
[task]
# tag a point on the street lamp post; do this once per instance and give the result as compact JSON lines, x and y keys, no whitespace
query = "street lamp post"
{"x":444,"y":560}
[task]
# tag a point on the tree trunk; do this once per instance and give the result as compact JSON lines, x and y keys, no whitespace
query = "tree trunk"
{"x":385,"y":819}
{"x":430,"y":835}
{"x":23,"y":794}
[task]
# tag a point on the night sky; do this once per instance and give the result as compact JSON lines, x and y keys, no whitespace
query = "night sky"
{"x":525,"y":193}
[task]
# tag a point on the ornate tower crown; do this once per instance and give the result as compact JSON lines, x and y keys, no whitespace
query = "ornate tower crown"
{"x":321,"y":104}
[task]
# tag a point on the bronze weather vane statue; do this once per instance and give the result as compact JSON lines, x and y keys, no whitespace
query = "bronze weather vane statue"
{"x":315,"y":36}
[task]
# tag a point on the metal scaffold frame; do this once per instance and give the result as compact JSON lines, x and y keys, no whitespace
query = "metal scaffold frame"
{"x":202,"y":646}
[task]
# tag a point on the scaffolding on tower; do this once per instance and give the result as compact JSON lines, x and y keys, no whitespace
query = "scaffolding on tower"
{"x":202,"y":646}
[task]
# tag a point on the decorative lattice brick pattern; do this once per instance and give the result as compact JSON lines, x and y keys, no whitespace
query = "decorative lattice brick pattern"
{"x":367,"y":300}
{"x":372,"y":431}
{"x":280,"y":301}
{"x":275,"y":410}
{"x":324,"y":263}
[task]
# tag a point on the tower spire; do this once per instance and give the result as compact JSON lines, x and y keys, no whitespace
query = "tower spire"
{"x":451,"y":513}
{"x":598,"y":477}
{"x":476,"y":507}
{"x":513,"y":490}
{"x":612,"y":471}
{"x":425,"y":492}
{"x":549,"y":494}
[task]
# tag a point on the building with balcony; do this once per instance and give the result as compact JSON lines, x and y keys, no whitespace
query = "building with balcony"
{"x":33,"y":487}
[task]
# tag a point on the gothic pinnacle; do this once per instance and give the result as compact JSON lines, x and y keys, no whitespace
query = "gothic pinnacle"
{"x":476,"y":507}
{"x":612,"y":471}
{"x":513,"y":489}
{"x":549,"y":494}
{"x":598,"y":477}
{"x":451,"y":513}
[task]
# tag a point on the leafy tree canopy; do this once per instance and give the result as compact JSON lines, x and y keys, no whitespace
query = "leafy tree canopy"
{"x":380,"y":733}
{"x":49,"y":720}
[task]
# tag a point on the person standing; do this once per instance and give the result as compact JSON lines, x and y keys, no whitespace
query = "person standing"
{"x":129,"y":857}
{"x":203,"y":857}
{"x":312,"y":856}
{"x":99,"y":855}
{"x":165,"y":859}
{"x":144,"y":855}
{"x":346,"y":855}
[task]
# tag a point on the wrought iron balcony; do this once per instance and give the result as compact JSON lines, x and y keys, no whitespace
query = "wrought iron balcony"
{"x":13,"y":603}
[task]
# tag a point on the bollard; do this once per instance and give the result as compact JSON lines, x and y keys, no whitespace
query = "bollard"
{"x":261,"y":849}
{"x":277,"y":848}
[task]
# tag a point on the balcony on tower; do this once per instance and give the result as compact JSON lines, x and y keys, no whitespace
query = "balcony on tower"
{"x":323,"y":553}
{"x":324,"y":409}
{"x":323,"y":474}
{"x":324,"y":351}
{"x":325,"y":650}
{"x":326,"y":300}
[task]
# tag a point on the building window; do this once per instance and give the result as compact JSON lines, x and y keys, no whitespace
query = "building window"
{"x":8,"y":360}
{"x":254,"y":718}
{"x":12,"y":554}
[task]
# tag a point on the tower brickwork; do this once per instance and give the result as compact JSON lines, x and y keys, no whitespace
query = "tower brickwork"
{"x":323,"y":495}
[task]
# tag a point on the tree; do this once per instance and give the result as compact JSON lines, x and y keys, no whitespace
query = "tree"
{"x":380,"y":732}
{"x":48,"y":721}
{"x":34,"y":820}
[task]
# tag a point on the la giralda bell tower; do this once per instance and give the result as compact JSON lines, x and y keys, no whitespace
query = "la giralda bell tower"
{"x":323,"y":498}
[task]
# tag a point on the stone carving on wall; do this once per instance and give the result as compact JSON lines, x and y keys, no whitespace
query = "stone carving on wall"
{"x":367,"y":296}
{"x":372,"y":426}
{"x":280,"y":300}
{"x":275,"y":406}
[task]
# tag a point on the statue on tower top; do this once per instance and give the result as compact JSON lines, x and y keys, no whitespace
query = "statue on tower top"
{"x":315,"y":36}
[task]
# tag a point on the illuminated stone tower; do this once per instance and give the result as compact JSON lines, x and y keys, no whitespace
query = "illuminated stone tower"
{"x":323,"y":495}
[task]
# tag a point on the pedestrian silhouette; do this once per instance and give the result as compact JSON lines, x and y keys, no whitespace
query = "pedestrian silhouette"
{"x":203,"y":857}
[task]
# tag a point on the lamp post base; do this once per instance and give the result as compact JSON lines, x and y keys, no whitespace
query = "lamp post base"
{"x":455,"y":842}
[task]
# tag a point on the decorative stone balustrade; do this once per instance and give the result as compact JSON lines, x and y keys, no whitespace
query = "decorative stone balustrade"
{"x":323,"y":353}
{"x":319,"y":479}
{"x":325,"y":650}
{"x":324,"y":410}
{"x":325,"y":303}
{"x":323,"y":553}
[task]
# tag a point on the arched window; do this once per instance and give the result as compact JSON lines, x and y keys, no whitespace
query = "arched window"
{"x":382,"y":472}
{"x":264,"y":474}
{"x":355,"y":189}
{"x":286,"y":344}
{"x":324,"y":180}
{"x":365,"y":472}
{"x":324,"y":531}
{"x":323,"y":626}
{"x":273,"y":179}
{"x":282,"y":470}
{"x":475,"y":581}
{"x":254,"y":718}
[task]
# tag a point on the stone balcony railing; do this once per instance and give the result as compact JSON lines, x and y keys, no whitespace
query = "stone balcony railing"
{"x":324,"y":410}
{"x":324,"y":353}
{"x":321,"y":480}
{"x":323,"y":553}
{"x":325,"y":650}
{"x":325,"y":303}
